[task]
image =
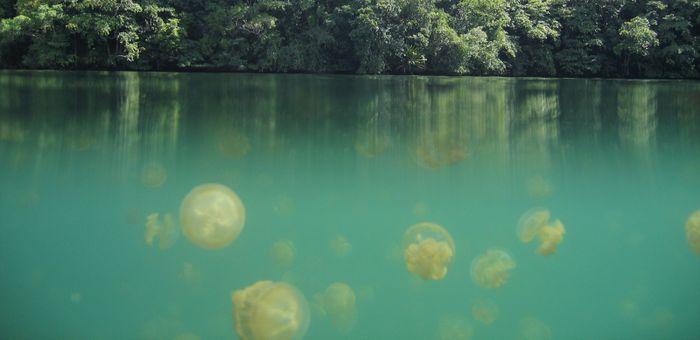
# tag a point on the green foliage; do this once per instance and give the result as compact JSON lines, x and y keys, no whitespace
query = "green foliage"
{"x":646,"y":38}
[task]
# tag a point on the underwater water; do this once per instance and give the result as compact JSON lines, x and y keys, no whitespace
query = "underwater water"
{"x":332,"y":172}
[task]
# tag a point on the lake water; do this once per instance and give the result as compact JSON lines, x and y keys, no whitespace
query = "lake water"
{"x":338,"y":168}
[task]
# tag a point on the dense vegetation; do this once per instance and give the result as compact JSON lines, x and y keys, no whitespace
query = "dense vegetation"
{"x":609,"y":38}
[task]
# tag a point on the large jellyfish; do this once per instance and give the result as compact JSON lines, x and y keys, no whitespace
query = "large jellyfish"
{"x":535,"y":223}
{"x":428,"y":250}
{"x":282,"y":253}
{"x":271,"y":311}
{"x":153,"y":175}
{"x":485,"y":311}
{"x":212,"y":216}
{"x":337,"y":302}
{"x":165,"y":230}
{"x":692,"y":231}
{"x":454,"y":327}
{"x":491,"y":269}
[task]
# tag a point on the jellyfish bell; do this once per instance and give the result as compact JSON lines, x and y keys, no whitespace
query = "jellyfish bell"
{"x":271,"y":311}
{"x":234,"y":144}
{"x":212,"y":216}
{"x":428,"y":250}
{"x":692,"y":231}
{"x":165,"y":230}
{"x":492,"y":269}
{"x":282,"y":253}
{"x":535,"y":223}
{"x":338,"y":303}
{"x":485,"y":311}
{"x":550,"y":236}
{"x":538,"y":187}
{"x":153,"y":175}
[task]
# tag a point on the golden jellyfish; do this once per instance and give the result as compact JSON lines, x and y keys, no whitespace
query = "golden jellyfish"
{"x":234,"y":144}
{"x":535,"y":223}
{"x":692,"y":231}
{"x":166,"y":231}
{"x":189,"y":274}
{"x":282,"y":253}
{"x":212,"y":216}
{"x":492,"y":269}
{"x":485,"y":311}
{"x":337,"y":302}
{"x":76,"y":297}
{"x":538,"y":187}
{"x":533,"y":329}
{"x":340,"y":246}
{"x":453,"y":327}
{"x":153,"y":175}
{"x":428,"y":250}
{"x":270,"y":310}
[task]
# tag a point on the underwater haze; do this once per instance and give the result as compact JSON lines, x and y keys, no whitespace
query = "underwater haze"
{"x":332,"y":172}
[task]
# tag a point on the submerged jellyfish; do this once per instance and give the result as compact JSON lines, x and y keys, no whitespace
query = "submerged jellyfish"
{"x":533,"y":329}
{"x":212,"y":216}
{"x":491,"y":269}
{"x":189,"y":274}
{"x":282,"y":253}
{"x":453,"y":327}
{"x":270,"y":310}
{"x":692,"y":231}
{"x":340,"y":246}
{"x":485,"y":311}
{"x":538,"y":187}
{"x":165,"y":230}
{"x":535,"y":223}
{"x":338,"y":304}
{"x":428,"y":250}
{"x":234,"y":144}
{"x":153,"y":175}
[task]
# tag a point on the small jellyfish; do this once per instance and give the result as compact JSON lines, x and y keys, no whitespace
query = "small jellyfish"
{"x":212,"y":216}
{"x":234,"y":144}
{"x":283,"y":205}
{"x":166,"y":231}
{"x":420,"y":209}
{"x":538,"y":187}
{"x":692,"y":231}
{"x":270,"y":310}
{"x":453,"y":327}
{"x":533,"y":329}
{"x":340,"y":246}
{"x":189,"y":274}
{"x":338,"y":304}
{"x":428,"y":250}
{"x":76,"y":297}
{"x":282,"y":253}
{"x":153,"y":175}
{"x":485,"y":311}
{"x":492,"y":269}
{"x":535,"y":223}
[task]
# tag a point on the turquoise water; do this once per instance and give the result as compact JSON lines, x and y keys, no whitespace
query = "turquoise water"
{"x":318,"y":157}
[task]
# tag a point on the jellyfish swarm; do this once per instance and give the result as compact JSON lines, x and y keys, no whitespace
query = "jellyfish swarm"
{"x":428,"y":250}
{"x":485,"y":311}
{"x":491,"y":269}
{"x":270,"y":310}
{"x":535,"y":223}
{"x":692,"y":231}
{"x":153,"y":175}
{"x":282,"y":253}
{"x":165,"y":230}
{"x":338,"y":304}
{"x":212,"y":216}
{"x":453,"y":327}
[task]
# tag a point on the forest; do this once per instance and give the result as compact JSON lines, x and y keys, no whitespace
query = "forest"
{"x":556,"y":38}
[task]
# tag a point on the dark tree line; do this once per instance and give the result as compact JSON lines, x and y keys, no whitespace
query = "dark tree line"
{"x":607,"y":38}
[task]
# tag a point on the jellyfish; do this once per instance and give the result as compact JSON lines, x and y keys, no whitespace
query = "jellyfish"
{"x":337,"y":302}
{"x":538,"y":187}
{"x":692,"y":231}
{"x":485,"y":311}
{"x":428,"y":250}
{"x":491,"y":269}
{"x":535,"y":223}
{"x":454,"y":327}
{"x":166,"y":230}
{"x":420,"y":209}
{"x":371,"y":145}
{"x":533,"y":329}
{"x":234,"y":144}
{"x":76,"y":297}
{"x":282,"y":253}
{"x":270,"y":310}
{"x":153,"y":175}
{"x":340,"y":246}
{"x":189,"y":274}
{"x":283,"y":205}
{"x":212,"y":216}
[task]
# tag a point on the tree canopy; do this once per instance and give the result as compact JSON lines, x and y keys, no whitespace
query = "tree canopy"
{"x":581,"y":38}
